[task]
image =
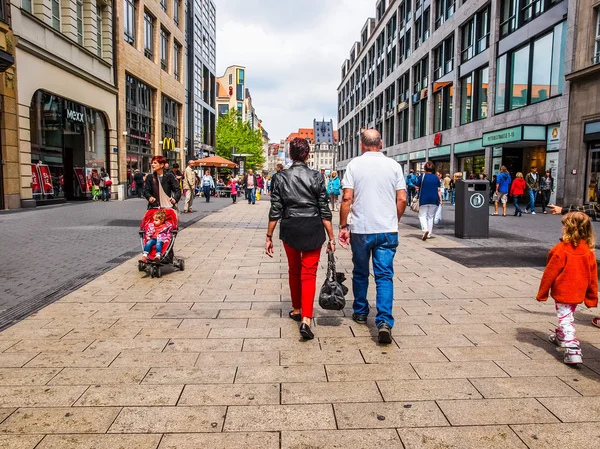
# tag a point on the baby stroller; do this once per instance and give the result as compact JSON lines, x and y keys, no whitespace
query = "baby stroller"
{"x":168,"y":257}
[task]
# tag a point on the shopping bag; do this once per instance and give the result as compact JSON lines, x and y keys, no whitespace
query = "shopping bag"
{"x":331,"y":296}
{"x":258,"y":195}
{"x":414,"y":203}
{"x":438,"y":215}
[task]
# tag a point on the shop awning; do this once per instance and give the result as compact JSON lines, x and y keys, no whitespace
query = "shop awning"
{"x":214,"y":161}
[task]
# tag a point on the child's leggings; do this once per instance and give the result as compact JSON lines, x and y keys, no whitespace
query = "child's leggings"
{"x":565,"y":332}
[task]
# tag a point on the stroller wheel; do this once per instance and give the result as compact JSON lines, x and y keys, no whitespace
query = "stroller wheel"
{"x":158,"y":272}
{"x":140,"y":266}
{"x":181,"y":264}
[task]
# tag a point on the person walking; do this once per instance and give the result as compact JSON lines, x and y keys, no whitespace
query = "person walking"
{"x":375,"y":188}
{"x":517,"y":190}
{"x":260,"y":183}
{"x":546,"y":189}
{"x":430,"y":197}
{"x":411,"y":185}
{"x":333,"y":189}
{"x":105,"y":184}
{"x":502,"y":188}
{"x":189,"y":184}
{"x":533,"y":184}
{"x":161,"y":189}
{"x":234,"y":190}
{"x":95,"y":185}
{"x":250,"y":183}
{"x":138,"y":180}
{"x":208,"y":184}
{"x":447,"y":181}
{"x":455,"y":178}
{"x":299,"y":200}
{"x":278,"y":170}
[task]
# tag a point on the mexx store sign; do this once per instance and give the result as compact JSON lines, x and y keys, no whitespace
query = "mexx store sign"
{"x":75,"y":116}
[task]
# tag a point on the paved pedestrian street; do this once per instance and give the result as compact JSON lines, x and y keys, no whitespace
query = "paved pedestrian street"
{"x":207,"y":358}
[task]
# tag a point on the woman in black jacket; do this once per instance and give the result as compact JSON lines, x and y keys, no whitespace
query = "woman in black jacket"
{"x":170,"y":194}
{"x":300,"y":201}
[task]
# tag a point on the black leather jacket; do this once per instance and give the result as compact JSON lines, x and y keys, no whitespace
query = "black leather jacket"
{"x":299,"y":192}
{"x":169,"y":184}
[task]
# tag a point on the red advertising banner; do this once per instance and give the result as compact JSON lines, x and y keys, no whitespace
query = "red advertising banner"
{"x":35,"y":180}
{"x":44,"y":170}
{"x":80,"y":178}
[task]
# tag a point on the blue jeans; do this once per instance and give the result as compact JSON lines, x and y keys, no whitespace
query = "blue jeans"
{"x":150,"y":243}
{"x":251,"y":195}
{"x":446,"y":194}
{"x":410,"y":192}
{"x":206,"y":190}
{"x":105,"y":196}
{"x":453,"y":196}
{"x":532,"y":197}
{"x":516,"y":199}
{"x":383,"y":249}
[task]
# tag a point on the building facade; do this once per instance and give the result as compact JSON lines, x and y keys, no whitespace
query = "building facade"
{"x":323,"y":140}
{"x":231,"y":91}
{"x":200,"y":113}
{"x":151,"y":79}
{"x":470,"y":85}
{"x":65,"y":97}
{"x":582,"y":172}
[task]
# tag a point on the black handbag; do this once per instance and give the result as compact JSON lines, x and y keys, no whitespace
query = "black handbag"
{"x":332,"y":292}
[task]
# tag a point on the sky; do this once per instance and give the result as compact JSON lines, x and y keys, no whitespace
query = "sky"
{"x":293,"y":51}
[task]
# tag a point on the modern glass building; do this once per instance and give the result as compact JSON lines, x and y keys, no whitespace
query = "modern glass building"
{"x":201,"y":79}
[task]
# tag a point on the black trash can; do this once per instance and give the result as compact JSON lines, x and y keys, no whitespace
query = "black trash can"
{"x":472,"y":219}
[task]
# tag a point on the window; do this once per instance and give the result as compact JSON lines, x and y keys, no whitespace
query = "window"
{"x":442,"y":106}
{"x":474,"y":96}
{"x":420,"y":119}
{"x":164,"y":50}
{"x":403,"y":88}
{"x":163,"y":5}
{"x":129,"y":21}
{"x":516,"y":13}
{"x":56,"y":14}
{"x":444,"y":9}
{"x":420,"y":77}
{"x":403,"y":126}
{"x":176,"y":61}
{"x":476,"y":34}
{"x":149,"y":36}
{"x":99,"y":17}
{"x":170,"y":119}
{"x":532,"y":73}
{"x":79,"y":12}
{"x":444,"y":57}
{"x":596,"y":59}
{"x":26,"y":5}
{"x":176,"y":11}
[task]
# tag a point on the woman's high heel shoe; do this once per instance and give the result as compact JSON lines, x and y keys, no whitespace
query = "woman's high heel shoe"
{"x":306,"y":332}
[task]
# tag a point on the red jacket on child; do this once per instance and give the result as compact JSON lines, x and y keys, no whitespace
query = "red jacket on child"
{"x":571,"y":275}
{"x":518,"y":187}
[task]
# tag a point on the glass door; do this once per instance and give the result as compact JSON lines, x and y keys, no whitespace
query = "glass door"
{"x":593,"y":175}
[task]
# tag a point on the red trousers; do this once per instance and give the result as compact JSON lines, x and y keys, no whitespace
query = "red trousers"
{"x":303,"y":267}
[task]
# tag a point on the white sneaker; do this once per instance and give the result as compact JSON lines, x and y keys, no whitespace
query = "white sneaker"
{"x":573,"y":356}
{"x":532,"y":213}
{"x":430,"y":236}
{"x":553,"y":339}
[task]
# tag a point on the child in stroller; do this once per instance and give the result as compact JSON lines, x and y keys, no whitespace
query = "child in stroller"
{"x":158,"y":233}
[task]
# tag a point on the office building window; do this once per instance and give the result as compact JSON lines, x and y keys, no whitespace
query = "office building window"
{"x":420,"y":118}
{"x":516,"y":13}
{"x":164,"y":50}
{"x":170,"y":119}
{"x":56,"y":14}
{"x":176,"y":11}
{"x":444,"y":57}
{"x":26,"y":5}
{"x":177,"y":61}
{"x":128,"y":21}
{"x":403,"y":88}
{"x":474,"y":96}
{"x":444,"y":10}
{"x":532,"y":73}
{"x":420,"y":75}
{"x":476,"y":34}
{"x":163,"y":5}
{"x":99,"y":18}
{"x":403,"y":125}
{"x":597,"y":48}
{"x":442,"y":106}
{"x":139,"y":124}
{"x":149,"y":36}
{"x":79,"y":15}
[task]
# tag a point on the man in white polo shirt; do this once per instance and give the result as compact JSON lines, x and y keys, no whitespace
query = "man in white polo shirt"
{"x":374,"y":185}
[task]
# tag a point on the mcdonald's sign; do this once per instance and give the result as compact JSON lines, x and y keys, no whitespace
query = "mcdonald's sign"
{"x":168,"y":144}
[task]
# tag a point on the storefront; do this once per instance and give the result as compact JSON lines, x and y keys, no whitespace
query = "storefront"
{"x":69,"y":143}
{"x":402,"y":159}
{"x":470,"y":158}
{"x":417,"y":160}
{"x":440,"y":156}
{"x":591,"y":137}
{"x":170,"y":130}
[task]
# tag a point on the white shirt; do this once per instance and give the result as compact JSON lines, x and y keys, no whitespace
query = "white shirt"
{"x":375,"y":179}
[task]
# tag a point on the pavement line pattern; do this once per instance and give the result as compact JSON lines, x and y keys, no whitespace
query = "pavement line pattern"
{"x":208,"y":357}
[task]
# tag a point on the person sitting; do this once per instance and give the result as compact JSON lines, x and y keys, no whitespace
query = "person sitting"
{"x":157,"y":233}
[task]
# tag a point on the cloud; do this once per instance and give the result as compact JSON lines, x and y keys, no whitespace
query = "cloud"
{"x":293,"y":53}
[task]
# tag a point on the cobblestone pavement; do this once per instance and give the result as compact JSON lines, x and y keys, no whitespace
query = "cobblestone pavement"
{"x":208,"y":358}
{"x":48,"y":251}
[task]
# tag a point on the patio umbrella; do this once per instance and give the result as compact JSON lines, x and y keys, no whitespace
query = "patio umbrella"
{"x":214,"y":161}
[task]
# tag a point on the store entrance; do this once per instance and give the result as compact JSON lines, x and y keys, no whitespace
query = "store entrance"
{"x":512,"y":159}
{"x":74,"y":160}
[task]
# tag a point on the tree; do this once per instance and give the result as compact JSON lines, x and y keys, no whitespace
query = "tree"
{"x":232,"y":132}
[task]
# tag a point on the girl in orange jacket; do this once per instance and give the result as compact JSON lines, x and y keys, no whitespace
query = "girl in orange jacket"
{"x":571,"y":277}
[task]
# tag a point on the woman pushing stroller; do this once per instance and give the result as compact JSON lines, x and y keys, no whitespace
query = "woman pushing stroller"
{"x":161,"y":188}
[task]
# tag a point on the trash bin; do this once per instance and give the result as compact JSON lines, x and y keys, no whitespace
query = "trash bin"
{"x":472,"y":219}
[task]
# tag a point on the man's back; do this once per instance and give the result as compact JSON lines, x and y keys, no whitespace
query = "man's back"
{"x":375,"y":180}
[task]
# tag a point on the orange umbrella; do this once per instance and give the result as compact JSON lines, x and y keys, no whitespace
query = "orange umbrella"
{"x":214,"y":161}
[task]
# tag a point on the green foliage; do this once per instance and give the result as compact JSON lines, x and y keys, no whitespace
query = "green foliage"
{"x":234,"y":132}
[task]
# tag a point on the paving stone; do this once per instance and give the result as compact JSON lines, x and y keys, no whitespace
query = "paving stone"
{"x":262,"y":374}
{"x":457,"y":370}
{"x":60,"y":420}
{"x":480,"y":318}
{"x":197,"y":345}
{"x":130,"y":395}
{"x":490,"y":437}
{"x":181,"y":376}
{"x":318,"y":357}
{"x":153,"y":323}
{"x":220,"y":323}
{"x":26,"y":376}
{"x":372,"y":331}
{"x":137,"y":344}
{"x":169,"y":420}
{"x":584,"y":385}
{"x":432,"y":341}
{"x":72,"y":360}
{"x":395,"y":355}
{"x":237,"y":394}
{"x":578,"y":409}
{"x":39,"y":396}
{"x":427,"y":390}
{"x":19,"y":441}
{"x":279,"y":417}
{"x":155,"y":360}
{"x":457,"y":329}
{"x":100,"y":442}
{"x":238,"y":440}
{"x":102,"y":334}
{"x":5,"y":412}
{"x":495,"y":411}
{"x":16,"y":360}
{"x":238,"y":358}
{"x":335,"y":439}
{"x":349,"y":373}
{"x":159,"y":333}
{"x":533,"y":368}
{"x":483,"y":353}
{"x":98,"y":376}
{"x":244,"y":333}
{"x":279,"y":344}
{"x":49,"y":346}
{"x":388,"y":415}
{"x":329,"y":392}
{"x":250,"y":314}
{"x":523,"y":387}
{"x":544,"y":436}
